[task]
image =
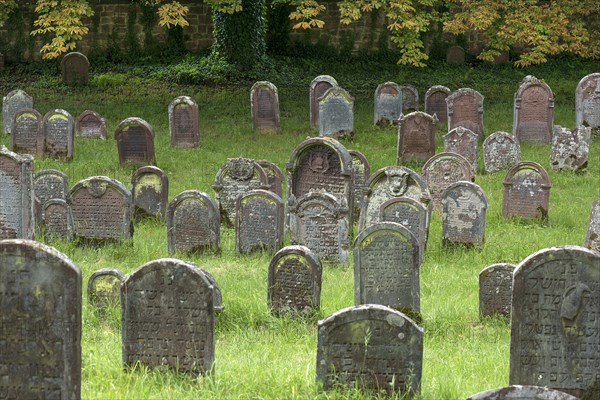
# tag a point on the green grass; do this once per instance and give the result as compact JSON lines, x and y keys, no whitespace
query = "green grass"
{"x":260,"y":356}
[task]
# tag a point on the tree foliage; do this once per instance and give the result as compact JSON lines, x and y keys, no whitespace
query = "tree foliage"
{"x":6,"y":8}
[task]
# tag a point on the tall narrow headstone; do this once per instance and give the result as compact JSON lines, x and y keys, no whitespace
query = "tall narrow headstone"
{"x":526,"y":191}
{"x":150,"y":191}
{"x":27,"y":135}
{"x":462,"y":141}
{"x":336,"y":113}
{"x":74,"y":67}
{"x":570,"y":148}
{"x":410,"y":213}
{"x":465,"y":108}
{"x":274,"y":176}
{"x":318,"y":87}
{"x":435,"y":102}
{"x":410,"y":99}
{"x":362,"y":171}
{"x":104,"y":287}
{"x":388,"y":103}
{"x":495,"y":289}
{"x":90,"y":124}
{"x":592,"y":238}
{"x":464,"y":206}
{"x":534,"y":112}
{"x":48,"y":184}
{"x":16,"y":194}
{"x":501,"y":150}
{"x":135,"y":141}
{"x":443,"y":170}
{"x":258,"y":222}
{"x":183,"y":122}
{"x":59,"y":134}
{"x":416,"y":137}
{"x":12,"y":103}
{"x":57,"y":219}
{"x":587,"y":101}
{"x":264,"y":100}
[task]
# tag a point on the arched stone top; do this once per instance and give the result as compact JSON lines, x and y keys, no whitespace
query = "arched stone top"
{"x":472,"y":187}
{"x":296,"y":250}
{"x":401,"y":200}
{"x":95,"y":116}
{"x":150,"y":169}
{"x":133,"y":121}
{"x":182,"y":100}
{"x":322,"y":78}
{"x":461,"y":131}
{"x":363,"y":159}
{"x":330,"y":201}
{"x":97,"y":185}
{"x":368,"y":311}
{"x":499,"y":137}
{"x":412,"y":179}
{"x":103,"y":272}
{"x":334,"y":145}
{"x":521,"y":392}
{"x":58,"y":113}
{"x":465,"y":92}
{"x":36,"y":250}
{"x":435,"y":89}
{"x":240,"y":169}
{"x":384,"y":85}
{"x":19,"y":158}
{"x":261,"y":193}
{"x":556,"y":253}
{"x":527,"y":165}
{"x":74,"y":54}
{"x":54,"y":172}
{"x":388,"y":226}
{"x":336,"y":91}
{"x":432,"y":119}
{"x":457,"y":158}
{"x":32,"y":111}
{"x":498,"y":267}
{"x":191,"y":194}
{"x":263,"y":85}
{"x":530,"y":81}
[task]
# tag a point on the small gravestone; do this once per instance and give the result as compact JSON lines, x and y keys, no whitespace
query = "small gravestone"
{"x":526,"y":191}
{"x":570,"y":148}
{"x":90,"y":124}
{"x":294,"y":281}
{"x":12,"y":103}
{"x":318,"y":87}
{"x":27,"y":135}
{"x":495,"y":289}
{"x":455,"y":55}
{"x":388,"y":103}
{"x":370,"y":347}
{"x":522,"y":392}
{"x":41,"y":322}
{"x":59,"y":134}
{"x":533,"y":112}
{"x":104,"y":287}
{"x":465,"y":108}
{"x":435,"y":102}
{"x":150,"y":191}
{"x":336,"y":113}
{"x":362,"y":171}
{"x":554,"y":320}
{"x":264,"y":101}
{"x":135,"y":141}
{"x":410,"y":99}
{"x":416,"y":137}
{"x":101,"y":208}
{"x":464,"y":206}
{"x":587,"y":101}
{"x":443,"y":170}
{"x":168,"y":317}
{"x":462,"y":141}
{"x":74,"y":67}
{"x":57,"y":219}
{"x":258,"y":222}
{"x":501,"y":150}
{"x":16,"y":195}
{"x":274,"y":176}
{"x":183,"y":122}
{"x":411,"y":214}
{"x":193,"y":223}
{"x":48,"y":184}
{"x":592,"y":238}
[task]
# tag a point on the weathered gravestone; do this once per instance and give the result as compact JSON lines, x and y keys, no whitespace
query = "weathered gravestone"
{"x":410,"y":99}
{"x":522,"y":392}
{"x":592,"y":238}
{"x":416,"y":137}
{"x":336,"y":113}
{"x":59,"y":134}
{"x":455,"y":55}
{"x":150,"y":191}
{"x":294,"y":281}
{"x":90,"y":124}
{"x":74,"y":67}
{"x":388,"y":103}
{"x":168,"y":317}
{"x":362,"y":171}
{"x":12,"y":103}
{"x":101,"y":208}
{"x":57,"y":219}
{"x":570,"y":148}
{"x":135,"y":141}
{"x":526,"y":191}
{"x":370,"y":347}
{"x":48,"y":184}
{"x":16,"y":194}
{"x":236,"y":177}
{"x":554,"y":320}
{"x":465,"y":108}
{"x":495,"y":289}
{"x":274,"y":176}
{"x":435,"y":102}
{"x":501,"y":150}
{"x":41,"y":322}
{"x":464,"y":206}
{"x":411,"y":214}
{"x":104,"y":287}
{"x":258,"y":222}
{"x":318,"y":87}
{"x":27,"y":135}
{"x":443,"y":170}
{"x":587,"y":101}
{"x":462,"y":141}
{"x":183,"y":122}
{"x":533,"y":111}
{"x":193,"y":223}
{"x":264,"y":101}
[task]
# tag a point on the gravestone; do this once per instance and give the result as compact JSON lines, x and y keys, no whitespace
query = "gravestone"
{"x":388,"y":103}
{"x":150,"y":191}
{"x":101,"y":208}
{"x":464,"y":206}
{"x":592,"y":238}
{"x":533,"y":112}
{"x":495,"y":289}
{"x":501,"y":150}
{"x":264,"y":101}
{"x":236,"y":177}
{"x":12,"y":103}
{"x":90,"y":124}
{"x":57,"y":219}
{"x":336,"y":113}
{"x":587,"y":101}
{"x":370,"y":347}
{"x":59,"y":134}
{"x":183,"y":122}
{"x":258,"y":222}
{"x":443,"y":170}
{"x":410,"y":99}
{"x":455,"y":55}
{"x":74,"y":67}
{"x":522,"y":392}
{"x":27,"y":135}
{"x":435,"y":102}
{"x":193,"y":223}
{"x":48,"y":184}
{"x":16,"y":193}
{"x":168,"y":317}
{"x":362,"y":171}
{"x":526,"y":191}
{"x":465,"y":108}
{"x":104,"y":288}
{"x":411,"y":214}
{"x":416,"y":137}
{"x":462,"y":141}
{"x":294,"y":281}
{"x":318,"y":87}
{"x":274,"y":176}
{"x":135,"y":141}
{"x":41,"y":322}
{"x":570,"y":148}
{"x":554,"y":320}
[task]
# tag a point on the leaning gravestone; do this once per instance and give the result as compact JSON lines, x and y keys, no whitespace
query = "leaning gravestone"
{"x":416,"y":137}
{"x":258,"y":222}
{"x":362,"y":171}
{"x":370,"y":347}
{"x":27,"y":135}
{"x":522,"y":392}
{"x":587,"y":101}
{"x":435,"y":102}
{"x":411,"y":214}
{"x":554,"y":320}
{"x":318,"y":87}
{"x":410,"y":99}
{"x":48,"y":184}
{"x":462,"y":141}
{"x":274,"y":176}
{"x":104,"y":287}
{"x":12,"y":103}
{"x":41,"y":322}
{"x":388,"y":103}
{"x":90,"y":124}
{"x":264,"y":101}
{"x":526,"y":191}
{"x":59,"y":134}
{"x":455,"y":55}
{"x":495,"y":289}
{"x":443,"y":170}
{"x":74,"y":67}
{"x":533,"y":112}
{"x":464,"y":206}
{"x":168,"y":317}
{"x":294,"y":281}
{"x":183,"y":122}
{"x":135,"y":141}
{"x":336,"y":113}
{"x":57,"y":219}
{"x":150,"y":191}
{"x":592,"y":238}
{"x":501,"y":150}
{"x":570,"y":148}
{"x":16,"y":194}
{"x":465,"y":108}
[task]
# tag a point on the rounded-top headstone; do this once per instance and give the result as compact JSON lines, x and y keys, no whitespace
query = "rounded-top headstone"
{"x":135,"y":141}
{"x":318,"y":87}
{"x":587,"y":101}
{"x":388,"y":103}
{"x":183,"y":122}
{"x":336,"y":112}
{"x":455,"y":55}
{"x":435,"y":102}
{"x":264,"y":101}
{"x":74,"y":67}
{"x":104,"y":287}
{"x":90,"y":124}
{"x":11,"y":104}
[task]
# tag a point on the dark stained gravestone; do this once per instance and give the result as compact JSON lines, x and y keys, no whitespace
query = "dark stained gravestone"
{"x":318,"y":87}
{"x":104,"y":288}
{"x":101,"y":208}
{"x":411,"y":214}
{"x":443,"y":170}
{"x":27,"y":135}
{"x":410,"y":99}
{"x":533,"y":111}
{"x":362,"y":171}
{"x":150,"y":191}
{"x":570,"y":148}
{"x":462,"y":141}
{"x":388,"y":103}
{"x":274,"y":176}
{"x":264,"y":101}
{"x":587,"y":101}
{"x":294,"y":281}
{"x":135,"y":141}
{"x":435,"y":102}
{"x":416,"y":137}
{"x":592,"y":238}
{"x":57,"y":219}
{"x":74,"y":67}
{"x":41,"y":322}
{"x":90,"y":124}
{"x":526,"y":191}
{"x":59,"y":134}
{"x":495,"y":289}
{"x":370,"y":347}
{"x":193,"y":223}
{"x":554,"y":325}
{"x":16,"y":194}
{"x":455,"y":55}
{"x":258,"y":222}
{"x":522,"y":392}
{"x":183,"y":122}
{"x":236,"y":177}
{"x":12,"y":103}
{"x":465,"y":108}
{"x":501,"y":150}
{"x":336,"y":113}
{"x":464,"y":206}
{"x":48,"y":184}
{"x":168,"y":317}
